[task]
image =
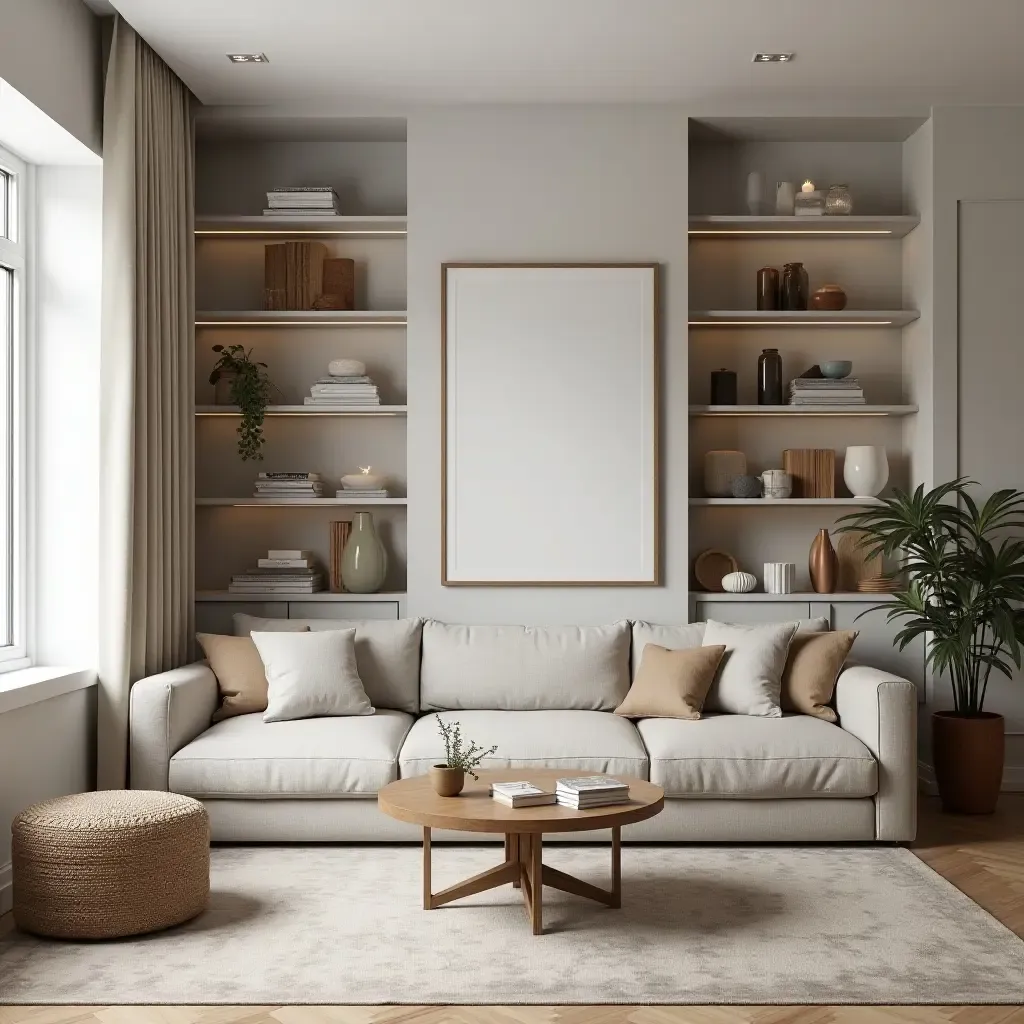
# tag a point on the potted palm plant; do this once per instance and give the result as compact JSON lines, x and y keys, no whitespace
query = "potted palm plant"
{"x":460,"y":760}
{"x":964,"y":566}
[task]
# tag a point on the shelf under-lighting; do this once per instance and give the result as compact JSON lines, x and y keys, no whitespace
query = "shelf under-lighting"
{"x":801,"y":318}
{"x":784,"y":502}
{"x":854,"y":226}
{"x":294,"y":502}
{"x":305,"y":410}
{"x":739,"y":411}
{"x":301,"y":318}
{"x":264,"y":226}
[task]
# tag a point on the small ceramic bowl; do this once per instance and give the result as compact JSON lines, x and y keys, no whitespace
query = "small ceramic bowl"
{"x":362,"y":482}
{"x":836,"y":369}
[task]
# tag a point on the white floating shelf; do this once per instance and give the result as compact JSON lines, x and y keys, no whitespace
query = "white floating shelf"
{"x":301,"y":318}
{"x":325,"y":596}
{"x":259,"y":225}
{"x":804,"y":596}
{"x":305,"y":410}
{"x":784,"y":502}
{"x":802,"y":410}
{"x":802,"y":317}
{"x":295,"y":502}
{"x":854,"y":226}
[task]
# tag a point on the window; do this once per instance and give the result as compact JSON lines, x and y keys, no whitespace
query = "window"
{"x":13,"y":184}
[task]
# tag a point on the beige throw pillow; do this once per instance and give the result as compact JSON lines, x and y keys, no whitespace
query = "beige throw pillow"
{"x":671,"y":684}
{"x":814,"y":663}
{"x":241,"y":679}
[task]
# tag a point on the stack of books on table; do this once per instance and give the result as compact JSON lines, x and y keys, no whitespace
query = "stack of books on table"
{"x":824,"y":391}
{"x":591,"y":791}
{"x":521,"y":794}
{"x":281,"y":572}
{"x":314,"y":201}
{"x":289,"y":486}
{"x":358,"y":392}
{"x":360,"y":492}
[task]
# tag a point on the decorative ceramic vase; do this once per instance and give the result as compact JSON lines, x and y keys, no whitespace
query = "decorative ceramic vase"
{"x":767,"y":288}
{"x":739,"y":582}
{"x":723,"y":387}
{"x":755,"y":193}
{"x":720,"y":469}
{"x":785,"y":198}
{"x":968,"y":752}
{"x":778,"y":577}
{"x":222,"y":389}
{"x":769,"y":377}
{"x":447,"y":781}
{"x":822,"y":564}
{"x":838,"y":201}
{"x":364,"y":562}
{"x":776,"y":484}
{"x":794,"y":287}
{"x":865,"y":470}
{"x":830,"y":297}
{"x":746,"y":487}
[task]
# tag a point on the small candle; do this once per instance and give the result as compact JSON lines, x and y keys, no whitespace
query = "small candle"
{"x":807,"y":186}
{"x":365,"y":470}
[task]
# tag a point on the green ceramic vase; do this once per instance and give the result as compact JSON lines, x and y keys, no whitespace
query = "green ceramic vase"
{"x":364,"y":562}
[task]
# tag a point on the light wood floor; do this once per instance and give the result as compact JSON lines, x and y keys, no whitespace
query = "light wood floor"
{"x":982,"y":856}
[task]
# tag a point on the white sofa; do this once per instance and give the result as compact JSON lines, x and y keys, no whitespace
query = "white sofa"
{"x":544,"y":697}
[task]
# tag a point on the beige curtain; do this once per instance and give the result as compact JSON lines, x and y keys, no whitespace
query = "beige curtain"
{"x":147,"y":385}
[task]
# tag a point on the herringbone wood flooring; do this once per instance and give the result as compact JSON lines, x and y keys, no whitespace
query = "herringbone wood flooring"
{"x":982,"y":856}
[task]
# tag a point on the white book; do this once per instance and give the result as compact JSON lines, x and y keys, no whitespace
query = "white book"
{"x":591,"y":783}
{"x":343,"y":493}
{"x":284,"y":563}
{"x":524,"y":801}
{"x":288,"y":553}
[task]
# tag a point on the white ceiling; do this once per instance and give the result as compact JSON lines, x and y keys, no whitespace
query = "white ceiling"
{"x":869,"y":57}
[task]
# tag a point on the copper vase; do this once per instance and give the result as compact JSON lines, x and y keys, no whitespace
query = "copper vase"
{"x":822,"y":564}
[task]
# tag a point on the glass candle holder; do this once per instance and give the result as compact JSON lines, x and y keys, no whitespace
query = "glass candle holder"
{"x":838,"y":202}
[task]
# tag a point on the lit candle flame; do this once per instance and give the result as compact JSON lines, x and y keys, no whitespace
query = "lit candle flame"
{"x":807,"y":186}
{"x":365,"y":470}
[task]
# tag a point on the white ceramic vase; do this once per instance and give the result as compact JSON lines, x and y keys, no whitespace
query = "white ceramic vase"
{"x":755,"y":193}
{"x":785,"y":199}
{"x":778,"y":577}
{"x":720,"y":469}
{"x":865,"y":470}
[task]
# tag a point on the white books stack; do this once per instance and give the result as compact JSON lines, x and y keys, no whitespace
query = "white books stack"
{"x":521,"y":794}
{"x":590,"y":791}
{"x":311,"y":201}
{"x":824,"y":391}
{"x":361,"y":492}
{"x":356,"y":392}
{"x":282,"y":572}
{"x":289,"y":486}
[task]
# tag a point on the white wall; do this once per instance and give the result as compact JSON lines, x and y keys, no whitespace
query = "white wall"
{"x":50,"y":52}
{"x":558,"y":184}
{"x":46,"y":750}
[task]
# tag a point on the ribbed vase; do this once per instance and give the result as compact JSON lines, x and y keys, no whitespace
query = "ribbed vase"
{"x":822,"y":564}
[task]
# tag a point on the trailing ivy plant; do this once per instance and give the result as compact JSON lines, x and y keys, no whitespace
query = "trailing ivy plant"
{"x":458,"y":755}
{"x":251,"y":389}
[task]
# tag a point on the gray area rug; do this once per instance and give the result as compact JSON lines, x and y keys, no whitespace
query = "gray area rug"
{"x":343,"y":925}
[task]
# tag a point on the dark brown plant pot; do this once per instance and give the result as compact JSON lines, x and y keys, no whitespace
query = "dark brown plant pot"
{"x":968,"y":755}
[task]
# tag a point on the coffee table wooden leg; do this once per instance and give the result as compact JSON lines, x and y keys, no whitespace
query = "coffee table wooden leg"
{"x":426,"y":869}
{"x":616,"y":867}
{"x":536,"y":872}
{"x":512,"y":854}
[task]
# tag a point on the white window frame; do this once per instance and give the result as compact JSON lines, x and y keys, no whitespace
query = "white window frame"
{"x":15,"y":254}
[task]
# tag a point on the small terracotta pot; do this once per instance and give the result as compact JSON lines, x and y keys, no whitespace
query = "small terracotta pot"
{"x":968,"y":755}
{"x":447,"y":781}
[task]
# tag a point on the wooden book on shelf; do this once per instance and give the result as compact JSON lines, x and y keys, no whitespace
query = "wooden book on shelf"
{"x":293,"y":273}
{"x":339,"y":537}
{"x":813,"y":471}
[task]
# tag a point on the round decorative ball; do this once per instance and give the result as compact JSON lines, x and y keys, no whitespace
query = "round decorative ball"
{"x":346,"y":368}
{"x":746,"y":487}
{"x":739,"y":583}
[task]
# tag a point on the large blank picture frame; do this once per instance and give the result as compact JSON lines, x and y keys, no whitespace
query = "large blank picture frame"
{"x":549,"y":424}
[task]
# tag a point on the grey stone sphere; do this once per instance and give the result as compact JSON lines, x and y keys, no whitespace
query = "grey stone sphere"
{"x":746,"y":487}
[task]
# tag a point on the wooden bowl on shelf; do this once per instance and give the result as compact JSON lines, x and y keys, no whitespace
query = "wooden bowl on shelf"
{"x":710,"y":567}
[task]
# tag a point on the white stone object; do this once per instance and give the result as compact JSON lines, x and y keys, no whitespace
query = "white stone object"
{"x":865,"y":470}
{"x":776,"y":483}
{"x":346,"y":368}
{"x":739,"y":582}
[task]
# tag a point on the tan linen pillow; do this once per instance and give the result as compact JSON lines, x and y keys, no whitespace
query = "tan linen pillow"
{"x":813,"y":665}
{"x":671,"y":684}
{"x":241,"y":679}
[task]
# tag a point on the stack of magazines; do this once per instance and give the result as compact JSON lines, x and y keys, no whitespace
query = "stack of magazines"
{"x":354,"y":391}
{"x":279,"y":576}
{"x":591,"y":791}
{"x":313,"y":201}
{"x":286,"y":486}
{"x":825,"y":391}
{"x":521,"y":794}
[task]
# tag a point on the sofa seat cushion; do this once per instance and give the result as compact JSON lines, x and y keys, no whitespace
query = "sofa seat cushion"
{"x":247,"y":758}
{"x":578,"y":741}
{"x":746,"y":757}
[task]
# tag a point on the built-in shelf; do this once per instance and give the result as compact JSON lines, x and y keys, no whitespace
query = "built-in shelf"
{"x":305,"y":410}
{"x":301,"y":318}
{"x":855,"y":226}
{"x":296,"y":502}
{"x":324,"y":596}
{"x":785,"y":502}
{"x":803,"y":596}
{"x":802,"y":410}
{"x":265,"y":226}
{"x":802,"y":317}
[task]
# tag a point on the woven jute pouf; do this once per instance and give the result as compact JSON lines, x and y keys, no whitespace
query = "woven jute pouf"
{"x":110,"y":864}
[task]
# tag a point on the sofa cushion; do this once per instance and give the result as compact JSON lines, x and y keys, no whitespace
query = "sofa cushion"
{"x":746,"y":757}
{"x":387,"y":653}
{"x":524,"y":668}
{"x":578,"y":741}
{"x":248,"y":758}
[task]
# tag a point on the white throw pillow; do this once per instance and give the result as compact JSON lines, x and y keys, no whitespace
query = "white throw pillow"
{"x":311,"y":675}
{"x":749,"y":677}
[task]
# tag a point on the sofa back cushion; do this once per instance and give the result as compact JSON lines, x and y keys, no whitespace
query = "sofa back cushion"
{"x":524,"y":668}
{"x":387,"y":653}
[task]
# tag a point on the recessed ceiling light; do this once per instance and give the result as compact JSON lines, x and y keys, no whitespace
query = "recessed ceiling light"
{"x":248,"y":58}
{"x":772,"y":58}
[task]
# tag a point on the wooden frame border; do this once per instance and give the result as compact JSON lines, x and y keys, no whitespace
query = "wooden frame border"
{"x":656,"y":580}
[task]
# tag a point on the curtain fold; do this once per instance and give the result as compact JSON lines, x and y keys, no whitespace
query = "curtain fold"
{"x":147,"y":382}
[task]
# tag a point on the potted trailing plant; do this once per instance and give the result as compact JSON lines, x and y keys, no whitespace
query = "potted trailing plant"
{"x":459,"y":760}
{"x":965,"y":583}
{"x":248,"y":386}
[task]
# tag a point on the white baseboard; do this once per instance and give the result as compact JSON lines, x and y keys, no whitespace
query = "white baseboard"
{"x":1013,"y":779}
{"x":6,"y":895}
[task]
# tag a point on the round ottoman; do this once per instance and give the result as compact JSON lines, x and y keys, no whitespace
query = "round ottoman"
{"x":109,"y":864}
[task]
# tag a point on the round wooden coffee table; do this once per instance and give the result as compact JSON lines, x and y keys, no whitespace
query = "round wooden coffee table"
{"x":473,"y":810}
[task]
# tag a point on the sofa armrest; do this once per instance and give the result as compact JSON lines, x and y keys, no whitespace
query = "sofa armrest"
{"x":167,"y":711}
{"x":880,"y":709}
